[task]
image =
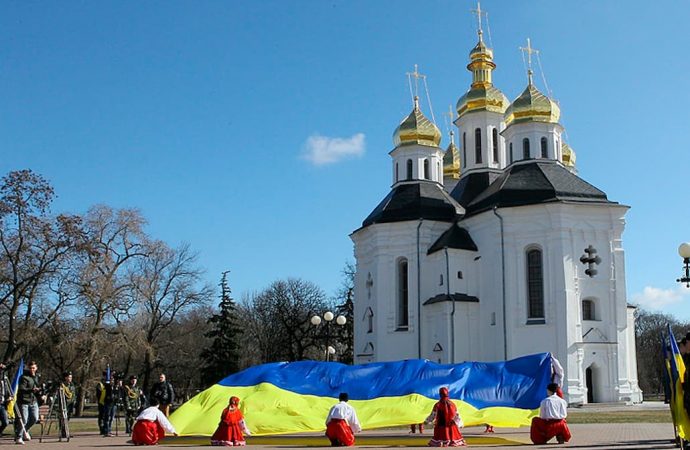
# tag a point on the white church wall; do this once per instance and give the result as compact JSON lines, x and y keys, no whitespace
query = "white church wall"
{"x":387,"y":243}
{"x":485,"y":121}
{"x":533,"y":131}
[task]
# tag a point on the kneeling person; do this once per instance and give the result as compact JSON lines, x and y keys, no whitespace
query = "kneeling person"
{"x":151,"y":426}
{"x":551,"y":421}
{"x":342,"y":423}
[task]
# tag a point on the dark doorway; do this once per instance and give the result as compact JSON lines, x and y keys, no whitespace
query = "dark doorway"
{"x":590,"y":385}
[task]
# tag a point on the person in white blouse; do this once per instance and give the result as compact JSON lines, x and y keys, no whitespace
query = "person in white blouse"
{"x":551,"y":421}
{"x":151,"y":426}
{"x":342,"y":423}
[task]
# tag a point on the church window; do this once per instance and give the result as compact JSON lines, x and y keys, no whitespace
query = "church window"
{"x":396,"y":172}
{"x":460,"y":274}
{"x":368,"y":349}
{"x":464,"y":150}
{"x":525,"y":148}
{"x":478,"y":146}
{"x":588,"y":310}
{"x":439,"y":171}
{"x":544,"y":148}
{"x":426,"y":169}
{"x":369,"y":316}
{"x":403,"y":295}
{"x":511,"y":153}
{"x":409,"y":169}
{"x":441,"y":282}
{"x":535,"y":284}
{"x":494,"y":142}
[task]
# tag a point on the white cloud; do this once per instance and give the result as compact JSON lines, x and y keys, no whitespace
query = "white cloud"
{"x":658,"y":299}
{"x":322,"y":150}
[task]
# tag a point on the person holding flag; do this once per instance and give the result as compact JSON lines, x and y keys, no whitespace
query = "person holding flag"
{"x":27,"y":393}
{"x":681,"y":419}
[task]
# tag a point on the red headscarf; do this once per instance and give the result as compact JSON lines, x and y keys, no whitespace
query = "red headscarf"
{"x":445,"y":409}
{"x":234,"y":401}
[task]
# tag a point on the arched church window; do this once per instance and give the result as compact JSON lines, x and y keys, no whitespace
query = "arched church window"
{"x":464,"y":150}
{"x":396,"y":172}
{"x":409,"y":169}
{"x":403,"y":295}
{"x":588,"y":312}
{"x":426,"y":169}
{"x":439,"y":172}
{"x":544,"y":148}
{"x":494,"y":142}
{"x":478,"y":146}
{"x":369,"y":316}
{"x":525,"y":148}
{"x":511,"y":153}
{"x":535,"y":284}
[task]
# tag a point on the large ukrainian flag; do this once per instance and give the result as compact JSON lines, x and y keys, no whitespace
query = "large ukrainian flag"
{"x":296,"y":397}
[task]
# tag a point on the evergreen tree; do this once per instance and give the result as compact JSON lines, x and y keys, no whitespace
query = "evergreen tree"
{"x":222,"y":356}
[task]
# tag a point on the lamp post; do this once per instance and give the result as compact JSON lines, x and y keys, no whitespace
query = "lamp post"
{"x":684,"y":252}
{"x":328,"y":318}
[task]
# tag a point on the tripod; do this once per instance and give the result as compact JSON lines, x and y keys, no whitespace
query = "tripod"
{"x":57,"y":413}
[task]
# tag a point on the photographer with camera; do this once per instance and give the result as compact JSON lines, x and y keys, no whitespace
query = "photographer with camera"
{"x":5,"y":397}
{"x":133,"y":400}
{"x":70,"y":391}
{"x":28,"y":396}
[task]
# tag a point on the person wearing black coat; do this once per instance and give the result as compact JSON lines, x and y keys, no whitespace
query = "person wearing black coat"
{"x":164,"y":393}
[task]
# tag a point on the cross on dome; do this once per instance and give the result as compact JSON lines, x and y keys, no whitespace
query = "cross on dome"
{"x":479,"y":13}
{"x":529,"y":50}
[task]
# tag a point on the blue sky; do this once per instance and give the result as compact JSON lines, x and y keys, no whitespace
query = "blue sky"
{"x":203,"y":115}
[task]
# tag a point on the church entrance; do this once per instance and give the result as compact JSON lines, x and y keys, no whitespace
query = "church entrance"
{"x":589,"y":377}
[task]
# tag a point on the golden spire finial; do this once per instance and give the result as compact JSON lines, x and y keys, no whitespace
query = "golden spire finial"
{"x":529,"y":50}
{"x":416,"y":102}
{"x":479,"y":13}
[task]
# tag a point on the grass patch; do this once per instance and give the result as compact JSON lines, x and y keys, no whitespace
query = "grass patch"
{"x":622,"y":416}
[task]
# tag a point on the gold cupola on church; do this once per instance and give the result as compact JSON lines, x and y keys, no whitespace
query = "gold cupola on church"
{"x":416,"y":129}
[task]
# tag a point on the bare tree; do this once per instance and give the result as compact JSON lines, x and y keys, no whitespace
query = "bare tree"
{"x":112,"y":240}
{"x":165,"y":284}
{"x":277,"y":320}
{"x":32,"y":247}
{"x":649,"y":327}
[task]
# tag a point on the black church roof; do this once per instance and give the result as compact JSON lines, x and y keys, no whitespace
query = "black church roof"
{"x":536,"y":182}
{"x":454,"y":237}
{"x":473,"y":184}
{"x":456,"y":297}
{"x":413,"y":201}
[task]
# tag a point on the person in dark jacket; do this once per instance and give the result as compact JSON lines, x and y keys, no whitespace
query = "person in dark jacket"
{"x":5,"y":396}
{"x":164,"y":393}
{"x":28,"y":393}
{"x":106,"y":404}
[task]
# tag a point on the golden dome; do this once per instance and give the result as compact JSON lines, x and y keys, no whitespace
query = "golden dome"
{"x":568,"y":155}
{"x":416,"y":129}
{"x":451,"y":160}
{"x":482,"y":95}
{"x":532,"y":106}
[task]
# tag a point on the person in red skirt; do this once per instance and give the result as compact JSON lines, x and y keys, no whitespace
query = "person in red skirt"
{"x":342,"y":423}
{"x":231,"y":426}
{"x":447,"y":423}
{"x":551,"y":421}
{"x":151,"y":426}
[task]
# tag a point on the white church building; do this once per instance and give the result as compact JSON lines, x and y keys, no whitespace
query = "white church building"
{"x":496,"y":248}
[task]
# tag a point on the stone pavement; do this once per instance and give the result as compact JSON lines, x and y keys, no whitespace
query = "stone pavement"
{"x":618,"y":436}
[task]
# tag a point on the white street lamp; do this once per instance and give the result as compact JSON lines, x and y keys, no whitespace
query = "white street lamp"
{"x":684,"y":252}
{"x":328,"y":317}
